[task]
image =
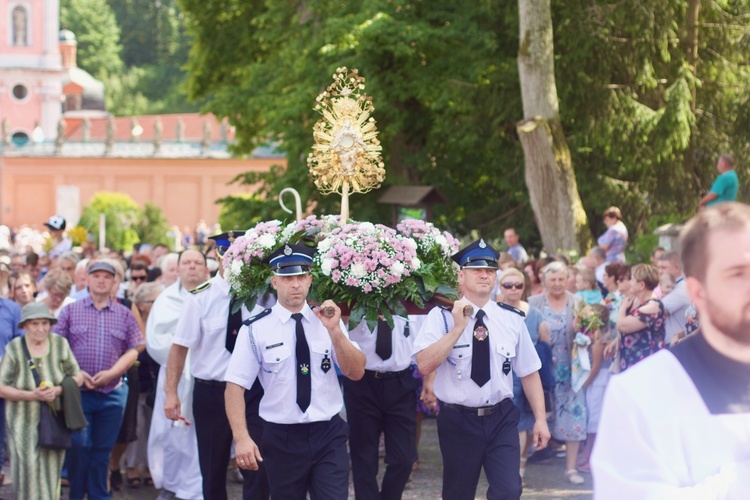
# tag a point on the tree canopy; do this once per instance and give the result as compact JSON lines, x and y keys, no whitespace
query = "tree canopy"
{"x":136,"y":47}
{"x":645,"y":120}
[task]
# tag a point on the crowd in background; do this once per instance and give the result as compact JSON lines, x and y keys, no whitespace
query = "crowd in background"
{"x":642,"y":307}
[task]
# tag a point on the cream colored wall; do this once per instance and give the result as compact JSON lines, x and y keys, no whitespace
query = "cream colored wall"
{"x":185,"y":189}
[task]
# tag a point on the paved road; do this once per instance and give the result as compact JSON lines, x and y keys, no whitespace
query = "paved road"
{"x":544,"y":480}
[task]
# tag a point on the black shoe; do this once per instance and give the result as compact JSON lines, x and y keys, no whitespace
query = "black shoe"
{"x":540,"y":455}
{"x":115,"y":480}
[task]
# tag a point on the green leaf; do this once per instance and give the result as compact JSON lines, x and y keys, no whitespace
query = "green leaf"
{"x":356,"y":316}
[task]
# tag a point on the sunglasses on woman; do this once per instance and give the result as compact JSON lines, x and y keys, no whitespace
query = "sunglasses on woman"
{"x":510,"y":286}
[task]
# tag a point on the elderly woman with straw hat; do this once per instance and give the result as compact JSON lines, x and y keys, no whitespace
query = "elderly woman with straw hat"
{"x":35,"y":470}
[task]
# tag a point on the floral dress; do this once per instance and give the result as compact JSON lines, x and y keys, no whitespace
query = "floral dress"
{"x":570,"y":407}
{"x":692,"y":323}
{"x":641,"y":344}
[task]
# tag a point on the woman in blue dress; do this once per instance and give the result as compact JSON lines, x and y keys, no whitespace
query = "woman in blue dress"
{"x":558,"y":310}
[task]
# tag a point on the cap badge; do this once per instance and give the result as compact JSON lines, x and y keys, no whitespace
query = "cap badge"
{"x":482,"y":244}
{"x":287,"y":250}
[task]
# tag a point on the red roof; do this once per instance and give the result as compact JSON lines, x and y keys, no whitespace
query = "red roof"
{"x":193,"y":130}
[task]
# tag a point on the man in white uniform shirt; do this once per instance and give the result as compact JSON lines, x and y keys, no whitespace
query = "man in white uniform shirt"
{"x":383,"y":401}
{"x":677,"y":425}
{"x":473,"y":356}
{"x":172,"y":446}
{"x":208,"y":326}
{"x":291,"y":349}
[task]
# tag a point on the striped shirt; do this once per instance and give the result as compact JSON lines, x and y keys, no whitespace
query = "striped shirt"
{"x":98,"y":338}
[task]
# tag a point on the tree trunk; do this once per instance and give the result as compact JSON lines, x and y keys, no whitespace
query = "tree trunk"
{"x":549,"y":169}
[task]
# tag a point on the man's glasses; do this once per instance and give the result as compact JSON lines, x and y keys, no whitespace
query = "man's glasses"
{"x":511,"y":286}
{"x":139,"y":278}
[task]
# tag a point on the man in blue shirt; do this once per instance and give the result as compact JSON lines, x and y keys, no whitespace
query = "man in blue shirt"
{"x":725,"y":186}
{"x":515,"y":249}
{"x":10,"y":316}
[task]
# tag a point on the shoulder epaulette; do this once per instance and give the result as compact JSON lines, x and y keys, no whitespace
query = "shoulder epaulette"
{"x":255,"y":318}
{"x":203,"y":286}
{"x":511,"y":309}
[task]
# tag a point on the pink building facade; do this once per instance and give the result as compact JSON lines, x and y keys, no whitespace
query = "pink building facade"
{"x":30,"y":69}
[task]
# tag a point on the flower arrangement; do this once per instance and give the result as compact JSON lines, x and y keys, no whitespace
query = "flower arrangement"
{"x":312,"y":227}
{"x":248,"y":277}
{"x":368,"y":267}
{"x":434,"y":249}
{"x":587,"y":320}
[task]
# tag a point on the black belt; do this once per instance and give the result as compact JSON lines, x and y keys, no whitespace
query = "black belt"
{"x":481,"y":411}
{"x":212,"y":383}
{"x":380,"y":375}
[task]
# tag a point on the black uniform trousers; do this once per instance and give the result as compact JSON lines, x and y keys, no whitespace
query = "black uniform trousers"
{"x":307,"y":457}
{"x":215,"y":440}
{"x":388,"y":406}
{"x":468,"y":442}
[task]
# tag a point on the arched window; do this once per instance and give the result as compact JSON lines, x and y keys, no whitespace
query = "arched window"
{"x":20,"y":20}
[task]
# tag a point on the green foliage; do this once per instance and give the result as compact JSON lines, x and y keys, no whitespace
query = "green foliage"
{"x":126,"y":223}
{"x":152,"y":226}
{"x":122,"y":216}
{"x":643,"y":124}
{"x":97,"y":33}
{"x":155,"y":48}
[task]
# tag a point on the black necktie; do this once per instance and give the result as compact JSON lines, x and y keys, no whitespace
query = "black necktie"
{"x":384,"y":340}
{"x":234,"y":323}
{"x":304,"y":384}
{"x":480,"y":359}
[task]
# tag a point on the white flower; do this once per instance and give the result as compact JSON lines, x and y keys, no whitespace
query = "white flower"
{"x":267,"y":240}
{"x":326,"y":265}
{"x":440,"y":240}
{"x":411,"y":243}
{"x":235,"y":268}
{"x":367,"y":227}
{"x":324,"y":245}
{"x":415,"y":263}
{"x":397,"y":269}
{"x":358,"y":270}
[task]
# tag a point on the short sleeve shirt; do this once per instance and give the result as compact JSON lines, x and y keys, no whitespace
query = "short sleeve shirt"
{"x":402,"y":341}
{"x":202,"y":327}
{"x":725,"y":187}
{"x":615,"y":238}
{"x":675,"y":303}
{"x":98,"y":337}
{"x":266,"y":349}
{"x":509,"y":339}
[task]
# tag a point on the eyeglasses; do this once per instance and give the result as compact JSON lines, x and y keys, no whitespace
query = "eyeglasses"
{"x":139,"y":278}
{"x":510,"y":286}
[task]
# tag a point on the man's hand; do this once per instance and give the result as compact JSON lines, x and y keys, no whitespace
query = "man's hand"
{"x":459,"y":320}
{"x":88,"y":381}
{"x":247,"y":454}
{"x":104,"y":377}
{"x":332,"y":322}
{"x":172,"y":406}
{"x":541,"y":435}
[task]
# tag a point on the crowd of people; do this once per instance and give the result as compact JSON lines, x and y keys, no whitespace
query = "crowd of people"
{"x":172,"y":378}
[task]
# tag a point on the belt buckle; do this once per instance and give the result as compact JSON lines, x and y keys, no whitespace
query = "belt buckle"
{"x":483,"y":412}
{"x":379,"y":375}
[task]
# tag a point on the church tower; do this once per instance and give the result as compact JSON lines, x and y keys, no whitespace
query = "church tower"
{"x":30,"y":69}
